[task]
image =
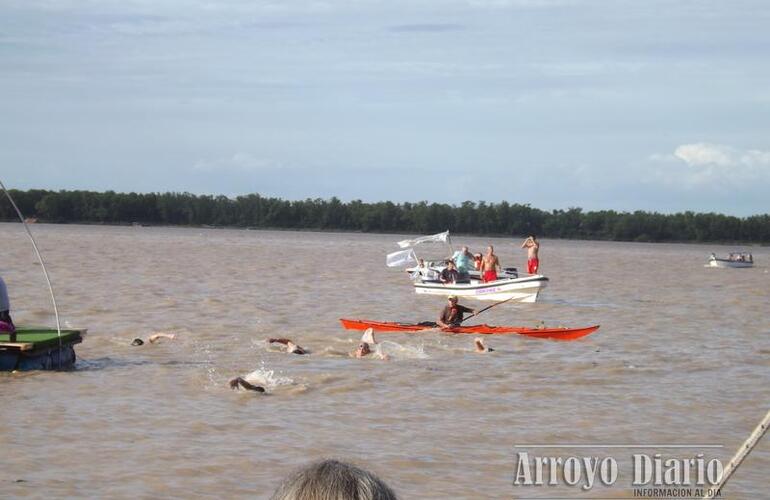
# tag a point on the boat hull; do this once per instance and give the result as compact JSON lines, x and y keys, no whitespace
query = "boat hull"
{"x":724,"y":263}
{"x":524,"y":289}
{"x":544,"y":333}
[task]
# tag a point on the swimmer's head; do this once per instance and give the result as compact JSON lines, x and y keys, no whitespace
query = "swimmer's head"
{"x":363,"y":349}
{"x":137,"y":342}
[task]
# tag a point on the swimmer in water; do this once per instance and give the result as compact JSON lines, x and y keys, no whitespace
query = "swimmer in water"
{"x":364,"y":348}
{"x":240,"y":381}
{"x":291,"y":347}
{"x":480,"y":347}
{"x":154,"y":338}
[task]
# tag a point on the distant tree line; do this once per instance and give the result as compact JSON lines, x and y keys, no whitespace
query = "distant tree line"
{"x":255,"y":211}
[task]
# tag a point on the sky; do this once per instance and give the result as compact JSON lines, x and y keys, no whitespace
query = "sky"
{"x":625,"y":104}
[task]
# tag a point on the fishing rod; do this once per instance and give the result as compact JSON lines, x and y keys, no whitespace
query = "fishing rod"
{"x":42,"y":264}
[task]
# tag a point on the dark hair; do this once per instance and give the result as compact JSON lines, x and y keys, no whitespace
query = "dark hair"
{"x":333,"y":480}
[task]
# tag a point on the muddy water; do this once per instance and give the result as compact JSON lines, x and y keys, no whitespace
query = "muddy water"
{"x":682,"y":357}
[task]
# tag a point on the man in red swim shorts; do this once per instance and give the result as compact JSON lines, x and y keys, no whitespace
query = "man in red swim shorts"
{"x":489,"y":265}
{"x":533,"y":247}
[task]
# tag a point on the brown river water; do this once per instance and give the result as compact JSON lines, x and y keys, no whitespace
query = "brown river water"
{"x":682,"y":358}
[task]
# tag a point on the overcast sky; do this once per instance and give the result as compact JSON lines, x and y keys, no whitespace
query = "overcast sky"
{"x":622,"y":105}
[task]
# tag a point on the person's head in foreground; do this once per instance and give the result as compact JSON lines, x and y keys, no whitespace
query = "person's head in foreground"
{"x":333,"y":480}
{"x":363,"y":350}
{"x":452,"y":300}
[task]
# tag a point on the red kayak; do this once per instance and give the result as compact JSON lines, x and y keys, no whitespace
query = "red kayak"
{"x":543,"y":333}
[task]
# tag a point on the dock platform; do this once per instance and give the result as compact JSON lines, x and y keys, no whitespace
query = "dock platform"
{"x":39,"y":349}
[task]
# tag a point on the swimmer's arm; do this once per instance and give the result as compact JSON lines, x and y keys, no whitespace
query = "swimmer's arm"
{"x":157,"y":336}
{"x":246,"y":385}
{"x":279,"y":341}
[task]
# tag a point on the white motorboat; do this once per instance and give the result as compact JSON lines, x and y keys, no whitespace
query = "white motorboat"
{"x":522,"y":289}
{"x":735,"y":259}
{"x":510,"y":285}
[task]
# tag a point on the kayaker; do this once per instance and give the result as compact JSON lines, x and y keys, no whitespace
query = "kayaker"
{"x":450,"y":274}
{"x":291,"y":347}
{"x":533,"y":248}
{"x":452,"y":314}
{"x":489,"y":265}
{"x":5,"y":306}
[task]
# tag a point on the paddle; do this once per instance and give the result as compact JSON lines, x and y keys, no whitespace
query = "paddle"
{"x":486,"y":309}
{"x":448,"y":330}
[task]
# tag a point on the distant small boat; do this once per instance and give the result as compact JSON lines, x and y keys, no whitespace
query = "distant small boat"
{"x":735,"y":259}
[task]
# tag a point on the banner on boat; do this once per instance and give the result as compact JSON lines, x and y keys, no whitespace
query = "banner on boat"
{"x":438,"y":238}
{"x":401,"y":258}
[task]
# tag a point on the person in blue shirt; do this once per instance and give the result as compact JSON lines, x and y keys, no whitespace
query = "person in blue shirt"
{"x":463,"y":259}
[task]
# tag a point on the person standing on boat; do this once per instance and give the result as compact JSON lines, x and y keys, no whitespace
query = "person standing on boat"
{"x":464,"y":261}
{"x":489,"y":265}
{"x":533,"y":248}
{"x":5,"y":306}
{"x":452,"y":314}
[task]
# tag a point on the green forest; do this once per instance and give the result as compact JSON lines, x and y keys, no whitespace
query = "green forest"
{"x":479,"y":218}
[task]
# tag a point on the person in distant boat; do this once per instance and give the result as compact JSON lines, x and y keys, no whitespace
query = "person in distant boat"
{"x":449,"y":275}
{"x":424,"y":272}
{"x":533,"y":248}
{"x":291,"y":347}
{"x":154,"y":338}
{"x":452,"y":314}
{"x":477,"y":261}
{"x":489,"y":265}
{"x":480,"y":347}
{"x":240,"y":381}
{"x":5,"y":308}
{"x":463,"y":259}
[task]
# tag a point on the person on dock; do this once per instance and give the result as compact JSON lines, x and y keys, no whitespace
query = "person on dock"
{"x":452,"y":314}
{"x":449,"y":275}
{"x":154,"y":338}
{"x":489,"y":265}
{"x":5,"y":307}
{"x":240,"y":381}
{"x":463,"y":259}
{"x":291,"y":347}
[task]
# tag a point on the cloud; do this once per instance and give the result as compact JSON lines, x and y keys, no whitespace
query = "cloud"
{"x":717,"y":166}
{"x":240,"y":162}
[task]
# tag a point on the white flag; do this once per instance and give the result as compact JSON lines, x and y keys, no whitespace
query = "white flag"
{"x":401,"y":258}
{"x":422,"y":239}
